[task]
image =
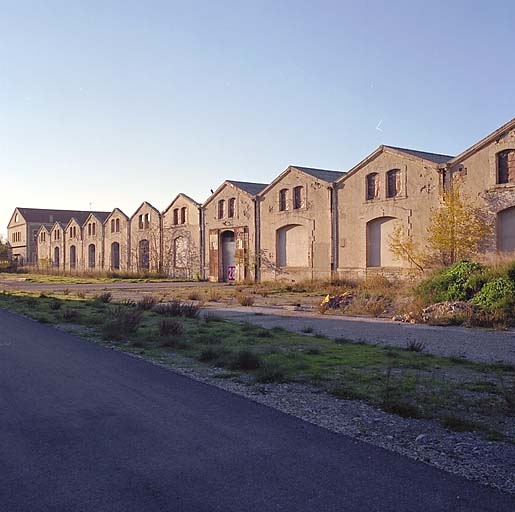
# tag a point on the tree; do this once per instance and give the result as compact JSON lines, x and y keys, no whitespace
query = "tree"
{"x":4,"y":249}
{"x":457,"y":229}
{"x":404,"y":248}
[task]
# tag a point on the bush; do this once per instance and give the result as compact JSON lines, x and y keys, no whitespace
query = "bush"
{"x":245,"y":360}
{"x":457,"y":282}
{"x":245,"y":300}
{"x":177,"y":308}
{"x":169,"y":327}
{"x":55,"y":305}
{"x":105,"y":297}
{"x":496,"y":295}
{"x":271,"y":372}
{"x":122,"y":323}
{"x":210,"y":354}
{"x":70,"y":315}
{"x":194,"y":295}
{"x":146,"y":302}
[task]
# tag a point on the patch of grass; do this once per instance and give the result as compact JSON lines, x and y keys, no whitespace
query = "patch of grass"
{"x":415,"y":346}
{"x":169,"y":327}
{"x":245,"y":360}
{"x":307,"y":329}
{"x":178,"y":308}
{"x":105,"y":297}
{"x":146,"y":302}
{"x":55,"y":305}
{"x":121,"y":323}
{"x":271,"y":373}
{"x":245,"y":300}
{"x":459,"y":424}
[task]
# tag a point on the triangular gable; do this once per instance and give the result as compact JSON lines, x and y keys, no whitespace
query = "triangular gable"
{"x":116,"y":211}
{"x":93,"y":216}
{"x":183,"y":196}
{"x":378,"y":152}
{"x":43,"y":228}
{"x":226,"y":183}
{"x":16,"y":211}
{"x":503,"y":130}
{"x":144,"y":203}
{"x":72,"y":221}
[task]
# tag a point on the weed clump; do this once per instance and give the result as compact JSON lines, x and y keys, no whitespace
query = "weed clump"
{"x":121,"y":323}
{"x":169,"y":327}
{"x":177,"y":308}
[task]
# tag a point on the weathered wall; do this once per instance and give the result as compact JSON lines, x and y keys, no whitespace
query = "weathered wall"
{"x":296,"y":243}
{"x":121,"y":237}
{"x":57,"y":240}
{"x":181,"y":241}
{"x":418,"y":194}
{"x":74,"y":238}
{"x":94,"y":239}
{"x":243,"y":224}
{"x":150,"y":232}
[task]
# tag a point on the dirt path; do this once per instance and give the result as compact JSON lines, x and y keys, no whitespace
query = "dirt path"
{"x":475,"y":344}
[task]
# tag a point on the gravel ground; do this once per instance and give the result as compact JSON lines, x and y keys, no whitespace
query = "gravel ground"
{"x":481,"y":345}
{"x":462,"y":453}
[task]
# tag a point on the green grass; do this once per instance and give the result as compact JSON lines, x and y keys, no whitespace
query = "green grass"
{"x":68,"y":279}
{"x":458,"y":393}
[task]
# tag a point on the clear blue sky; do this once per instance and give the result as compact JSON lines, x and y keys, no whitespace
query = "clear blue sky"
{"x":116,"y":102}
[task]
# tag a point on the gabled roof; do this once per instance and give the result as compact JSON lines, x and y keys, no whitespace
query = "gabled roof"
{"x":411,"y":153}
{"x":322,"y":174}
{"x":188,"y":198}
{"x":101,"y":216}
{"x":510,"y":125}
{"x":44,"y":216}
{"x":73,"y":219}
{"x":433,"y":157}
{"x":43,"y":228}
{"x":115,"y":211}
{"x":252,"y":189}
{"x":59,"y":225}
{"x":319,"y":174}
{"x":141,"y":206}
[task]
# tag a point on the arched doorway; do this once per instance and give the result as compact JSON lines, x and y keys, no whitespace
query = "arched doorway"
{"x":378,"y":244}
{"x":56,"y":257}
{"x":115,"y":256}
{"x":143,"y":255}
{"x":292,"y":246}
{"x":506,"y":230}
{"x":228,"y":256}
{"x":73,"y":256}
{"x":92,"y":250}
{"x":180,"y":252}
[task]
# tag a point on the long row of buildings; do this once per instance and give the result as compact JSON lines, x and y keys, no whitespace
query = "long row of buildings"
{"x":308,"y":223}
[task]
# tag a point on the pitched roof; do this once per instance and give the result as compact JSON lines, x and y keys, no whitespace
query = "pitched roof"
{"x":185,"y":196}
{"x":433,"y":157}
{"x":321,"y":174}
{"x":249,"y":187}
{"x":44,"y":216}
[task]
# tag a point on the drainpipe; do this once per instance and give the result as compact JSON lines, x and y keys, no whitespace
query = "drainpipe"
{"x":257,"y":239}
{"x":202,"y":244}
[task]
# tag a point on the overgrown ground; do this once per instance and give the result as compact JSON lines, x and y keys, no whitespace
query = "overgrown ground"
{"x":110,"y":277}
{"x":461,"y":395}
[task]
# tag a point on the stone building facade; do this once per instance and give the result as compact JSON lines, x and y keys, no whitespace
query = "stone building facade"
{"x":230,"y":227}
{"x":296,"y":235}
{"x":307,"y":224}
{"x":181,"y":251}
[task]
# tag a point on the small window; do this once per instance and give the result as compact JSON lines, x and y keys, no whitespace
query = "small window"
{"x":298,"y":197}
{"x":147,"y":220}
{"x":393,"y":183}
{"x":117,"y":225}
{"x":113,"y":226}
{"x":175,"y":216}
{"x":232,"y":207}
{"x":94,"y":228}
{"x":283,"y":199}
{"x":506,"y":166}
{"x":89,"y":228}
{"x":221,"y":209}
{"x":140,"y":221}
{"x":16,"y":218}
{"x":183,"y":215}
{"x":372,"y":185}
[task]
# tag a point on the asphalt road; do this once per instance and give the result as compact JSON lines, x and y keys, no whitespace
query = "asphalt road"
{"x":84,"y":428}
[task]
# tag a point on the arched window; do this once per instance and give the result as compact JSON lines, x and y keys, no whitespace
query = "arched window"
{"x":232,"y":207}
{"x":283,"y":199}
{"x":175,"y":216}
{"x":73,"y":256}
{"x":143,"y":255}
{"x":221,"y":209}
{"x":393,"y":183}
{"x":506,"y":166}
{"x":298,"y":197}
{"x":117,"y":225}
{"x":113,"y":226}
{"x":183,"y":215}
{"x":372,"y":182}
{"x":92,"y":253}
{"x":56,"y":257}
{"x":115,"y":256}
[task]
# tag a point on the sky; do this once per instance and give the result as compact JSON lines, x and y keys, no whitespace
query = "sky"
{"x":108,"y":104}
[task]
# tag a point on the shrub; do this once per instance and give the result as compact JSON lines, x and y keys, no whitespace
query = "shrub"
{"x":177,"y":308}
{"x":105,"y":297}
{"x":55,"y":305}
{"x":146,"y":302}
{"x":168,"y":327}
{"x":415,"y":346}
{"x":194,"y":295}
{"x":271,"y":372}
{"x":213,"y":296}
{"x":245,"y":360}
{"x":496,"y":295}
{"x":32,"y":301}
{"x":245,"y":300}
{"x":457,"y":282}
{"x":81,"y":295}
{"x":210,"y":354}
{"x":70,"y":315}
{"x":122,"y":323}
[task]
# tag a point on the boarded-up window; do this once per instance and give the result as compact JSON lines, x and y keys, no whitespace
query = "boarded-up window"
{"x":115,"y":255}
{"x":73,"y":256}
{"x":393,"y":183}
{"x":180,"y":252}
{"x":221,"y":209}
{"x":298,"y":197}
{"x":143,"y":255}
{"x":283,"y":198}
{"x":506,"y":166}
{"x":372,"y":183}
{"x":506,"y":230}
{"x":92,"y":250}
{"x":292,"y":246}
{"x":232,"y":207}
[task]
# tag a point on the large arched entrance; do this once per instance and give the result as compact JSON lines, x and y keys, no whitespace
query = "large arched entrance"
{"x":506,"y":230}
{"x":73,"y":257}
{"x":115,"y":256}
{"x":228,"y":244}
{"x":378,"y":243}
{"x":292,"y":246}
{"x":143,"y":255}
